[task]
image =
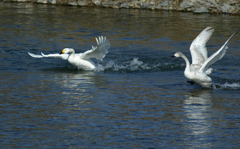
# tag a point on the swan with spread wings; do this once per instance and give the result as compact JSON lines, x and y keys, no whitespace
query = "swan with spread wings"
{"x":199,"y":69}
{"x":81,"y":60}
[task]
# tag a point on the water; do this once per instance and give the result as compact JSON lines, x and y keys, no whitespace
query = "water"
{"x":138,"y":97}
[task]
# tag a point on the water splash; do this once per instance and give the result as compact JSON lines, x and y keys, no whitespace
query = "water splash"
{"x":127,"y":66}
{"x":134,"y":65}
{"x":225,"y":86}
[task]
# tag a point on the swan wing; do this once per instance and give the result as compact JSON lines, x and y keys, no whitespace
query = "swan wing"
{"x":198,"y":47}
{"x":216,"y":56}
{"x":99,"y":51}
{"x":62,"y":56}
{"x":35,"y":55}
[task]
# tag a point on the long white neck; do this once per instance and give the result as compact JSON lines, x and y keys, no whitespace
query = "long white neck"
{"x":72,"y":53}
{"x":187,"y":62}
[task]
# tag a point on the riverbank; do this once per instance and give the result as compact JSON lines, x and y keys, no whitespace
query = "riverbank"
{"x":195,"y":6}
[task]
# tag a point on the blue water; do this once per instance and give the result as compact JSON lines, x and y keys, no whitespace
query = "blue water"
{"x":137,"y":98}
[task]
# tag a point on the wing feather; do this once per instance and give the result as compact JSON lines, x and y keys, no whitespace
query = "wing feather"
{"x":198,"y":47}
{"x":35,"y":55}
{"x":62,"y":56}
{"x":217,"y":55}
{"x":99,"y":51}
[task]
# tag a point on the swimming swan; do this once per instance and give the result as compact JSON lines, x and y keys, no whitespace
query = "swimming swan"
{"x":81,"y":60}
{"x":200,"y":67}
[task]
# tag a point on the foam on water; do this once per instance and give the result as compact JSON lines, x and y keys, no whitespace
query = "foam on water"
{"x":134,"y":65}
{"x":128,"y":66}
{"x":231,"y":86}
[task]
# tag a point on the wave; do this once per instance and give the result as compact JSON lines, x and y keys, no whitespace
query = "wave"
{"x":134,"y":65}
{"x":226,"y":86}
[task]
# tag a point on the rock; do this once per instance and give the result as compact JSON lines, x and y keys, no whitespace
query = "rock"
{"x":82,"y":2}
{"x":144,"y":5}
{"x":158,"y":6}
{"x":152,"y":3}
{"x":105,"y":4}
{"x":72,"y":3}
{"x":124,"y":5}
{"x":225,"y":8}
{"x":97,"y":2}
{"x":42,"y":1}
{"x":201,"y":10}
{"x":187,"y":4}
{"x":195,"y":6}
{"x":22,"y":1}
{"x":52,"y":1}
{"x":115,"y":7}
{"x":164,"y":3}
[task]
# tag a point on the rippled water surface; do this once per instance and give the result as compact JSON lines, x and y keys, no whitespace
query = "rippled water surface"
{"x":137,"y":98}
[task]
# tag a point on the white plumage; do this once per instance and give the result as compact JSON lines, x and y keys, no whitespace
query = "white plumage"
{"x":81,"y":60}
{"x":200,"y":67}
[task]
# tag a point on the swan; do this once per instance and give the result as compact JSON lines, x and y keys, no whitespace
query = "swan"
{"x":199,"y":70}
{"x":81,"y":60}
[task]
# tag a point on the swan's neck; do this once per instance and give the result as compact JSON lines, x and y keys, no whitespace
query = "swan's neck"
{"x":187,"y":62}
{"x":72,"y":53}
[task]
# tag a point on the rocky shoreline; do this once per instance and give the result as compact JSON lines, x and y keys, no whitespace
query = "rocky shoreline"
{"x":195,"y":6}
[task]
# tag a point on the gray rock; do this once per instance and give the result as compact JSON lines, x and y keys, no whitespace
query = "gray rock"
{"x":158,"y":6}
{"x":82,"y":2}
{"x":124,"y":5}
{"x":97,"y":2}
{"x":201,"y":10}
{"x":52,"y":1}
{"x":187,"y":4}
{"x":152,"y":3}
{"x":226,"y":7}
{"x":144,"y":5}
{"x":164,"y":3}
{"x":42,"y":1}
{"x":72,"y":3}
{"x":105,"y":4}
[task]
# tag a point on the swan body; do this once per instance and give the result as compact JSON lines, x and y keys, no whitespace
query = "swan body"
{"x":200,"y":68}
{"x":81,"y":60}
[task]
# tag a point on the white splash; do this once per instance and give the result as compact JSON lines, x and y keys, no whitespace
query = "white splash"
{"x":227,"y":85}
{"x":133,"y":65}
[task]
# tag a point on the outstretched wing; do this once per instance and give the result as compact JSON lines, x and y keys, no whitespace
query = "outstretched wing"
{"x":62,"y":56}
{"x":216,"y":56}
{"x":198,"y":47}
{"x":99,"y":51}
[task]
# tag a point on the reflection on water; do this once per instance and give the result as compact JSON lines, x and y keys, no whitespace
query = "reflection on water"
{"x":197,"y":107}
{"x":79,"y":83}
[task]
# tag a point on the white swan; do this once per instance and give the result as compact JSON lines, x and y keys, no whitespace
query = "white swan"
{"x":200,"y":67}
{"x":81,"y":60}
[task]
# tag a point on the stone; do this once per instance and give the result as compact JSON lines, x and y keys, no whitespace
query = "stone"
{"x":144,"y":5}
{"x":187,"y":4}
{"x":82,"y":2}
{"x":42,"y":1}
{"x":105,"y":4}
{"x":201,"y":10}
{"x":164,"y":3}
{"x":52,"y":1}
{"x":158,"y":6}
{"x":195,"y":6}
{"x":152,"y":3}
{"x":225,"y":8}
{"x":97,"y":2}
{"x":115,"y":7}
{"x":124,"y":5}
{"x":72,"y":3}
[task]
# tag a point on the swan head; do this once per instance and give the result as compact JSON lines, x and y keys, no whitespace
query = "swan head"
{"x":178,"y":54}
{"x":66,"y":50}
